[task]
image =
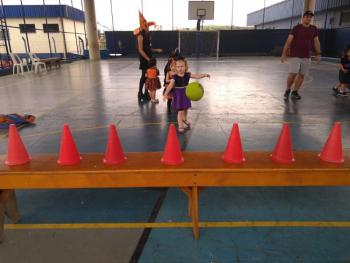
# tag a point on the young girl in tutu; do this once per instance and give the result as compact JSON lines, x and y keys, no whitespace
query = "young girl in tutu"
{"x":177,"y":86}
{"x":152,"y":81}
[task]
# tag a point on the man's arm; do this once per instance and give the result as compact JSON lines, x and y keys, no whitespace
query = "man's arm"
{"x":140,"y":47}
{"x":317,"y":48}
{"x":286,"y":47}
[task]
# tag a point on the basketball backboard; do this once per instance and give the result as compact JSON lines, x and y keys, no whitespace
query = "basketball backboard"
{"x":203,"y":10}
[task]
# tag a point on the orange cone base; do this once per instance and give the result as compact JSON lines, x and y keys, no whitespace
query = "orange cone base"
{"x":172,"y":162}
{"x":112,"y":162}
{"x":282,"y":161}
{"x":9,"y":163}
{"x":330,"y":160}
{"x":235,"y":161}
{"x":69,"y":162}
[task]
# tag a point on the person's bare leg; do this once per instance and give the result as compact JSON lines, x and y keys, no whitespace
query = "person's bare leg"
{"x":185,"y":118}
{"x":298,"y":82}
{"x":180,"y":117}
{"x":152,"y":94}
{"x":290,"y":82}
{"x":155,"y":96}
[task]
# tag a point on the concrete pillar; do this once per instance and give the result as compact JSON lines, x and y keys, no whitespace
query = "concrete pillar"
{"x":309,"y":5}
{"x":90,"y":20}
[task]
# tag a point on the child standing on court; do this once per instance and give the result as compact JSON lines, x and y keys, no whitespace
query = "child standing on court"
{"x":178,"y":84}
{"x":152,"y":81}
{"x":344,"y":74}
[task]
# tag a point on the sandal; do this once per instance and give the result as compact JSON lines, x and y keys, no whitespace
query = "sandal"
{"x":188,"y":124}
{"x":181,"y":130}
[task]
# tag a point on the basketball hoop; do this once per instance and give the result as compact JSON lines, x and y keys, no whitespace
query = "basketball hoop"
{"x":200,"y":11}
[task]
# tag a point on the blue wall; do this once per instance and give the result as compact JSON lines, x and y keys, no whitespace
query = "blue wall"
{"x":40,"y":11}
{"x":125,"y":42}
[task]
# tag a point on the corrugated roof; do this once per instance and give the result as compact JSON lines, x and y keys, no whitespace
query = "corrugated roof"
{"x":36,"y":11}
{"x":283,"y":10}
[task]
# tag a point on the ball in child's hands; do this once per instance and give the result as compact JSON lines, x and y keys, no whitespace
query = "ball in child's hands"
{"x":194,"y":91}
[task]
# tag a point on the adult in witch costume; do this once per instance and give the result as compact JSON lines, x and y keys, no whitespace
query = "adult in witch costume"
{"x":145,"y":50}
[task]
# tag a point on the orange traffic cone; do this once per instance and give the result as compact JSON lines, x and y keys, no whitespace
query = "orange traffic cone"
{"x":172,"y":153}
{"x":283,"y":152}
{"x":16,"y":153}
{"x":69,"y":154}
{"x":234,"y":150}
{"x":114,"y":151}
{"x":333,"y":150}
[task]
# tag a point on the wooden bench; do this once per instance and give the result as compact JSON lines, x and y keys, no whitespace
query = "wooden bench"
{"x":200,"y":170}
{"x":49,"y":62}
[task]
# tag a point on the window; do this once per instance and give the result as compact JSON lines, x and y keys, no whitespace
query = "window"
{"x":345,"y":18}
{"x":51,"y":28}
{"x":27,"y":28}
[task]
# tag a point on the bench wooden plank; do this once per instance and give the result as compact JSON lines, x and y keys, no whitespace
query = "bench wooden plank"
{"x":200,"y":170}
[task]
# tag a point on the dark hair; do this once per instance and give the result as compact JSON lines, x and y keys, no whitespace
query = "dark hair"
{"x":308,"y":13}
{"x":174,"y":53}
{"x":152,"y":62}
{"x":346,"y":50}
{"x":179,"y":58}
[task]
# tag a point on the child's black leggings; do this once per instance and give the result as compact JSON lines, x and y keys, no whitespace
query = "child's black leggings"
{"x":142,"y":80}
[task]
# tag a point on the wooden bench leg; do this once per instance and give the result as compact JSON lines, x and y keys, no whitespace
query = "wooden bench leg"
{"x":8,"y":207}
{"x":192,"y":195}
{"x":188,"y":193}
{"x":194,"y":209}
{"x":11,"y":207}
{"x":2,"y":220}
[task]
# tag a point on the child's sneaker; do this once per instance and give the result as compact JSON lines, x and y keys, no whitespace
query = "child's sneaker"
{"x":342,"y":94}
{"x":295,"y":95}
{"x":286,"y":94}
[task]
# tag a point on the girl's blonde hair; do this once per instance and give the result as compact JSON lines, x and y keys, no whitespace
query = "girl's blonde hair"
{"x":184,"y":60}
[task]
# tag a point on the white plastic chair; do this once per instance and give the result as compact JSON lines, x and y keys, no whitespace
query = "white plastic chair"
{"x":36,"y":63}
{"x":18,"y":64}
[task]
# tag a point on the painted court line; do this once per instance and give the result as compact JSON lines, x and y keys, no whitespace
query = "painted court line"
{"x":239,"y":224}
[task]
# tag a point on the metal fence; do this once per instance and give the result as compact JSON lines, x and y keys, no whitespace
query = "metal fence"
{"x":225,"y":42}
